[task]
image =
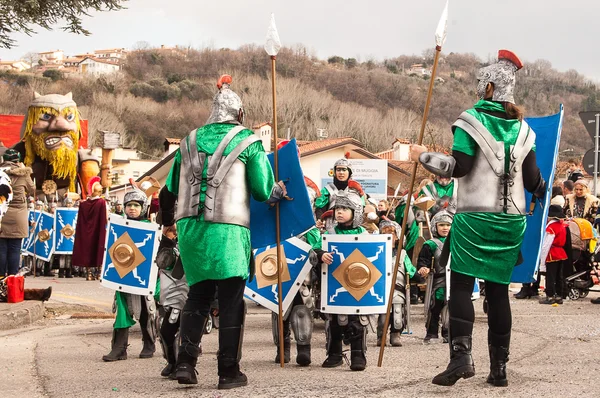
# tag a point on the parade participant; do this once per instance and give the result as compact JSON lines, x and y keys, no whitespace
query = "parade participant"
{"x":65,"y":260}
{"x":431,"y":255}
{"x":119,"y":208}
{"x":214,"y":172}
{"x":14,"y":226}
{"x":412,"y":235}
{"x":399,"y":302}
{"x":493,"y":158}
{"x":345,"y":329}
{"x":568,"y":186}
{"x":342,"y":181}
{"x":49,"y":144}
{"x":299,"y":316}
{"x":560,"y":252}
{"x":88,"y":248}
{"x":127,"y":305}
{"x":370,"y":219}
{"x":173,"y":294}
{"x":383,"y":210}
{"x":581,"y":203}
{"x":442,"y":191}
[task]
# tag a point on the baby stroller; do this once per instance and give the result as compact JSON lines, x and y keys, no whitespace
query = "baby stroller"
{"x":586,"y":253}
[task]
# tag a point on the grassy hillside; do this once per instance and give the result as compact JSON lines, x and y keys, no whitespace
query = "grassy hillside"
{"x":167,"y":92}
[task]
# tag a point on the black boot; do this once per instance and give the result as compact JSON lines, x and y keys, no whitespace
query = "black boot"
{"x":118,"y":346}
{"x":461,"y":364}
{"x":498,"y":346}
{"x":230,"y":345}
{"x":303,"y":357}
{"x":358,"y":360}
{"x":286,"y":338}
{"x":168,"y":332}
{"x":286,"y":352}
{"x":334,"y":348}
{"x":149,"y":346}
{"x":68,"y":273}
{"x":189,"y":348}
{"x":61,"y":272}
{"x":524,"y":293}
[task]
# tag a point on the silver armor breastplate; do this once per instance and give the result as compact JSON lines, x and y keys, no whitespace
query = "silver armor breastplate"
{"x":227,"y":198}
{"x":332,"y":189}
{"x":488,"y":187}
{"x":438,"y":268}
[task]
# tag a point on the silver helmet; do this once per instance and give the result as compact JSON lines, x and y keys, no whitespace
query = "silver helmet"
{"x":136,"y":195}
{"x":226,"y":104}
{"x":387,"y":223}
{"x":343,"y":162}
{"x":350,"y":200}
{"x":442,"y":216}
{"x":502,"y":75}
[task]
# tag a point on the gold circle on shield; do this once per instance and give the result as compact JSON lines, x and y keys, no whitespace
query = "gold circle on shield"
{"x":49,"y":187}
{"x":123,"y":255}
{"x":357,"y":275}
{"x":68,"y":231}
{"x":268,"y":266}
{"x":44,"y":235}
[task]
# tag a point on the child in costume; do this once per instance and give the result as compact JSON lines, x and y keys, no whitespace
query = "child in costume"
{"x":127,"y":305}
{"x":346,"y":329}
{"x":429,"y":261}
{"x":399,"y":315}
{"x":559,"y":253}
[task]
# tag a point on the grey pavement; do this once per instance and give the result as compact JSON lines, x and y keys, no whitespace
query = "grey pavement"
{"x":553,"y":353}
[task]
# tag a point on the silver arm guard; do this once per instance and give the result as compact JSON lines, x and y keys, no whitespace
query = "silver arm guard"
{"x":438,"y":163}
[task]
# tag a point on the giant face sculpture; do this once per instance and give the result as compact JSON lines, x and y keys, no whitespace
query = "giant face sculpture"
{"x":51,"y":131}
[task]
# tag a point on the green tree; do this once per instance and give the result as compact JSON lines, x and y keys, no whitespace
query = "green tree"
{"x":335,"y":60}
{"x":21,"y":16}
{"x":53,"y":74}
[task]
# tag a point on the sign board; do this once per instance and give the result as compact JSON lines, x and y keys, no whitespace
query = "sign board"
{"x":372,"y":175}
{"x":588,"y":162}
{"x":589,"y":121}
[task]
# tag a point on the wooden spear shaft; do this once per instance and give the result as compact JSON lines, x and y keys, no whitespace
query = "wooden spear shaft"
{"x":277,"y":226}
{"x":413,"y":176}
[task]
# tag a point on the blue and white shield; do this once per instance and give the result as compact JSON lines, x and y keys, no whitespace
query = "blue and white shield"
{"x":547,"y":138}
{"x":129,"y":254}
{"x":65,"y":225}
{"x":296,"y":216}
{"x":40,"y":242}
{"x":358,"y":281}
{"x":263,"y":288}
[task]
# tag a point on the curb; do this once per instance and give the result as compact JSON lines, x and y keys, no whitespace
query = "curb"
{"x":13,"y":316}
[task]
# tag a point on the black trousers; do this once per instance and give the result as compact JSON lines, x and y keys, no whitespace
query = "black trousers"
{"x":554,"y":272}
{"x":231,"y":320}
{"x":434,"y":319}
{"x":462,"y":314}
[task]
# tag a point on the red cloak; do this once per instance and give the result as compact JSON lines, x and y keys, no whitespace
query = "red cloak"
{"x":88,"y":249}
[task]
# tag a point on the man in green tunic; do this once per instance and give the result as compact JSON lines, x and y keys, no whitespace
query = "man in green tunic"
{"x":214,"y":172}
{"x":493,"y":158}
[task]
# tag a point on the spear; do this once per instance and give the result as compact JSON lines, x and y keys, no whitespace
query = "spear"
{"x":440,"y":38}
{"x":272,"y":46}
{"x":394,"y":200}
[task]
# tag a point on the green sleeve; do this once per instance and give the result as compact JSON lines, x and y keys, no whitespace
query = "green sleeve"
{"x":172,"y":182}
{"x":259,"y":173}
{"x":410,"y":269}
{"x":463,"y":142}
{"x":313,"y":238}
{"x":323,"y":200}
{"x":413,"y":235}
{"x":399,"y":213}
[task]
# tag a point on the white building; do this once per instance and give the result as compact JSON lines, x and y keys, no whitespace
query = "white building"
{"x":52,"y":57}
{"x":116,"y":55}
{"x":15,"y":66}
{"x":96,"y":66}
{"x":126,"y":164}
{"x":263,"y":131}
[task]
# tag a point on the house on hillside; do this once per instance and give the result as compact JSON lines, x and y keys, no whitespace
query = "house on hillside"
{"x":15,"y":66}
{"x":52,"y":57}
{"x":419,"y":69}
{"x":116,"y":55}
{"x":72,"y":61}
{"x":96,"y":66}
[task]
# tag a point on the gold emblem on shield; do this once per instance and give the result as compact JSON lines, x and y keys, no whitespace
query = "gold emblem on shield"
{"x":357,"y":274}
{"x":266,"y":267}
{"x":67,"y":231}
{"x":44,"y":235}
{"x":125,"y":255}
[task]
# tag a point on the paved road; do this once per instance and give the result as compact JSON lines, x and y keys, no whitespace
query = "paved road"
{"x":554,"y":353}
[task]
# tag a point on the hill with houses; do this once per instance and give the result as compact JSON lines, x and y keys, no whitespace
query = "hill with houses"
{"x":153,"y":93}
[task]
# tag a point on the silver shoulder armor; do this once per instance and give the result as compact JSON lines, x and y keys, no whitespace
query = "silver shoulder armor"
{"x":438,"y":163}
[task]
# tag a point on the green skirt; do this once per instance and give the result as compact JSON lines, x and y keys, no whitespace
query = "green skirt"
{"x":486,"y":245}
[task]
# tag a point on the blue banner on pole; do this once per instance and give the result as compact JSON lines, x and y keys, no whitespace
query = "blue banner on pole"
{"x":547,"y":138}
{"x":296,"y":216}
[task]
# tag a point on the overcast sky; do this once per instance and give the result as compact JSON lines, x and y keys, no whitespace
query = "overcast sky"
{"x":562,"y":32}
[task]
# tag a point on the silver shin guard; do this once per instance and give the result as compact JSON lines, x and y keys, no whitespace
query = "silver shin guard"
{"x":302,"y":324}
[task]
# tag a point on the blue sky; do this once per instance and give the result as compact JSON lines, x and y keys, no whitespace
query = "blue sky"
{"x":562,"y":32}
